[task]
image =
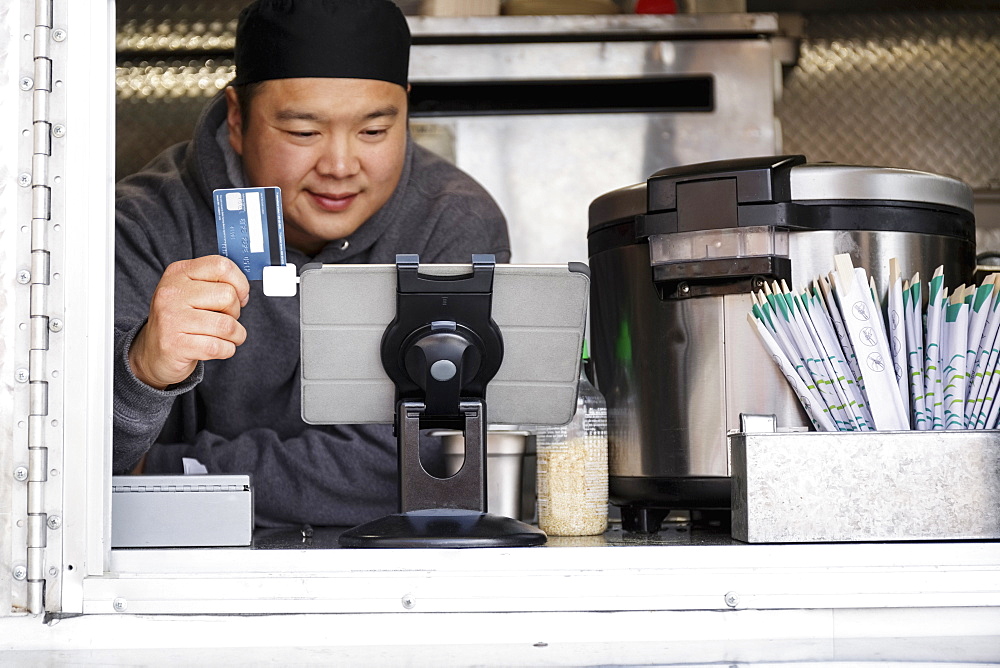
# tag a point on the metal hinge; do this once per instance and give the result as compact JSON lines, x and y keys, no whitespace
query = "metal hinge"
{"x":40,"y":87}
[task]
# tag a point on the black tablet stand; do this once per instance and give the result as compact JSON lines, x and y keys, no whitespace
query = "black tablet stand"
{"x":441,"y":351}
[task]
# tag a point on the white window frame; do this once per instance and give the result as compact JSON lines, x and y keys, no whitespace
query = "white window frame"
{"x":89,"y":290}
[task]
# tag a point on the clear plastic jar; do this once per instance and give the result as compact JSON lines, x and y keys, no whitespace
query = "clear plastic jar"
{"x":572,"y":480}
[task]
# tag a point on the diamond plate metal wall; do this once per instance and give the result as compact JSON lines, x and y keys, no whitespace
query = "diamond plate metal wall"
{"x":158,"y":102}
{"x":170,"y":11}
{"x":920,"y":91}
{"x":172,"y":57}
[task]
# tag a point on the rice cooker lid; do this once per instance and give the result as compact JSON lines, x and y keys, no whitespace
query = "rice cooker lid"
{"x":729,"y":185}
{"x":825,"y":182}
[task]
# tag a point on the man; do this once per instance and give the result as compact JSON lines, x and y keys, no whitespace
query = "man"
{"x":206,"y":367}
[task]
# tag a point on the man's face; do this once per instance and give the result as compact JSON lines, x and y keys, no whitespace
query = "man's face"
{"x":335,"y":147}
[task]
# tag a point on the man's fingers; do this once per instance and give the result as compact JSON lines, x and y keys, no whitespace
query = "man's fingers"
{"x":210,"y":296}
{"x":193,"y":316}
{"x":187,"y":349}
{"x":216,"y":269}
{"x":209,"y":347}
{"x":213,"y":325}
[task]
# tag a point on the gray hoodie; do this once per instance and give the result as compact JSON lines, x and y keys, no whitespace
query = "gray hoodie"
{"x":242,"y":415}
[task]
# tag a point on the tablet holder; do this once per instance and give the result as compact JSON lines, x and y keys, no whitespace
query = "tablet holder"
{"x":441,"y":351}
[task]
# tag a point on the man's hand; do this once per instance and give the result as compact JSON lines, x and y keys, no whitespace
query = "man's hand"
{"x":193,"y":316}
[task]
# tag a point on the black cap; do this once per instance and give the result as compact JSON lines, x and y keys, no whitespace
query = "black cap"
{"x":341,"y":39}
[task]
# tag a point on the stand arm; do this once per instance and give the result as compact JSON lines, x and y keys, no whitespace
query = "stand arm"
{"x":419,"y":490}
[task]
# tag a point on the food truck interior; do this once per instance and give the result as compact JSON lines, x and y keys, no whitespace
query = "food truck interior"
{"x":576,"y":123}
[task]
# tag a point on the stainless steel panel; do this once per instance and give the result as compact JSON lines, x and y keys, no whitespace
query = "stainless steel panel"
{"x":544,"y":170}
{"x":813,"y":252}
{"x":181,"y":26}
{"x":585,"y":26}
{"x":641,"y":56}
{"x":866,"y":486}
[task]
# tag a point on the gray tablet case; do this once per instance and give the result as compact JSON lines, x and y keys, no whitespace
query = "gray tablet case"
{"x":541,"y":311}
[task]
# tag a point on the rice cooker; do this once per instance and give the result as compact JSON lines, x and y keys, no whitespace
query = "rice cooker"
{"x":673,"y":263}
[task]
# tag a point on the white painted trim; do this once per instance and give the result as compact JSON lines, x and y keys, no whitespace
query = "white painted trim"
{"x":89,"y":281}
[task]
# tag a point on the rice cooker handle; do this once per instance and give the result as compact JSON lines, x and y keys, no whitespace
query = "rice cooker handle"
{"x":716,"y":198}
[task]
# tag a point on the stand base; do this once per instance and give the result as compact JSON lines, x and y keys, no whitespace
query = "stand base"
{"x":443,"y":527}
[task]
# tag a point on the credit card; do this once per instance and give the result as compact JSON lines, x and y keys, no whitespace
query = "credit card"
{"x":250,"y":228}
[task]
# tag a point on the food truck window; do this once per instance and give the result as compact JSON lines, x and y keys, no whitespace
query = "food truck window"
{"x":76,"y":426}
{"x":64,"y":339}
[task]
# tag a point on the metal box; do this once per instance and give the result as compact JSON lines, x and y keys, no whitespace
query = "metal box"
{"x":874,"y":486}
{"x":181,"y":511}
